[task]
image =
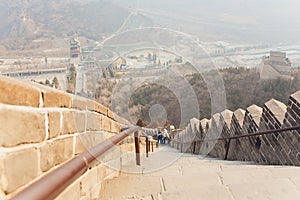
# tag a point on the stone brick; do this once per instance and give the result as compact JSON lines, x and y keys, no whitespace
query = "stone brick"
{"x":100,"y":108}
{"x":106,"y":123}
{"x":128,"y":147}
{"x":240,"y":116}
{"x":54,"y":98}
{"x":15,"y":92}
{"x":204,"y":126}
{"x":73,"y":122}
{"x":82,"y":103}
{"x":20,"y":127}
{"x":115,"y":162}
{"x":89,"y":181}
{"x":255,"y":113}
{"x":277,"y":108}
{"x":226,"y":117}
{"x":115,"y":127}
{"x":88,"y":140}
{"x":54,"y":124}
{"x":93,"y":122}
{"x":55,"y":152}
{"x":18,"y":168}
{"x":72,"y":192}
{"x":110,"y":114}
{"x":80,"y":147}
{"x":102,"y":172}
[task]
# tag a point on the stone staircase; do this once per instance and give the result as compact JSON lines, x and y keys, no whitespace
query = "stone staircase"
{"x":170,"y":175}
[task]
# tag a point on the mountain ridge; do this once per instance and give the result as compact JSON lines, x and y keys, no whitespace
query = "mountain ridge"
{"x":32,"y":19}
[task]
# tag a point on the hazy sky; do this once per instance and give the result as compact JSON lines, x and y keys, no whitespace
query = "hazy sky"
{"x":267,"y":19}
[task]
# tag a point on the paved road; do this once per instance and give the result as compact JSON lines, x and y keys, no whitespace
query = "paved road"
{"x":193,"y":177}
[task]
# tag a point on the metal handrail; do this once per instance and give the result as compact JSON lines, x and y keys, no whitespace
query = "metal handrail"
{"x":281,"y":130}
{"x":246,"y":135}
{"x":56,"y":181}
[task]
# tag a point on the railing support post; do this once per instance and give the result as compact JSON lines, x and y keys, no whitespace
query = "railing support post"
{"x":147,"y":147}
{"x":227,"y":149}
{"x":137,"y":148}
{"x":152,"y":145}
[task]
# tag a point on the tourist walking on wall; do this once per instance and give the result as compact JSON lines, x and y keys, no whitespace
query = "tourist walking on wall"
{"x":160,"y":137}
{"x":165,"y":136}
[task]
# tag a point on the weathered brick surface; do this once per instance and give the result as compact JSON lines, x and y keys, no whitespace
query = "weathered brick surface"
{"x":19,"y":127}
{"x":237,"y":121}
{"x":81,"y":103}
{"x":101,"y":109}
{"x":88,"y":182}
{"x":15,"y":92}
{"x":213,"y":132}
{"x":102,"y":172}
{"x":127,"y":147}
{"x":54,"y":98}
{"x":93,"y":122}
{"x":56,"y":127}
{"x":88,"y":140}
{"x":110,"y":114}
{"x":55,"y":152}
{"x":272,"y":118}
{"x":54,"y":119}
{"x":18,"y":168}
{"x":73,"y":122}
{"x":204,"y":126}
{"x":122,"y":120}
{"x":115,"y":127}
{"x":106,"y":123}
{"x":188,"y":138}
{"x":195,"y":128}
{"x":72,"y":192}
{"x":290,"y":140}
{"x":250,"y":150}
{"x":224,"y":124}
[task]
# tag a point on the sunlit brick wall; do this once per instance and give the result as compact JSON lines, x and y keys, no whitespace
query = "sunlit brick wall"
{"x":42,"y":128}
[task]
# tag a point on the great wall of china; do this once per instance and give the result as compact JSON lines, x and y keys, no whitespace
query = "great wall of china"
{"x":42,"y":128}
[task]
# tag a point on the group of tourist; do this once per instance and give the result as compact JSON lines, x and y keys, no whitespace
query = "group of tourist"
{"x":163,"y":136}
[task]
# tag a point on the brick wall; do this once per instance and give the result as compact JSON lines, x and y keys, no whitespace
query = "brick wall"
{"x":276,"y":148}
{"x":42,"y":128}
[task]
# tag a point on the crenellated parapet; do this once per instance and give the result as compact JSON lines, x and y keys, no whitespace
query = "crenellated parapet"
{"x":274,"y":148}
{"x":237,"y":122}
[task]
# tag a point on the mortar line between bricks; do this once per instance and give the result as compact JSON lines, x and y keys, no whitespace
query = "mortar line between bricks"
{"x":53,"y":109}
{"x":4,"y":150}
{"x":47,"y":134}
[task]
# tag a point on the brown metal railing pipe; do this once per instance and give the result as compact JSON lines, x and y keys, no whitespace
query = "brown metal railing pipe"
{"x":137,"y":148}
{"x":56,"y":181}
{"x":248,"y":135}
{"x":258,"y":133}
{"x":147,"y":147}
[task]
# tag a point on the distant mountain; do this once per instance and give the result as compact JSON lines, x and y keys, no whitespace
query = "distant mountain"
{"x":32,"y":19}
